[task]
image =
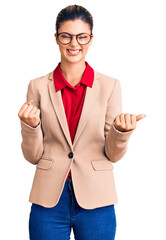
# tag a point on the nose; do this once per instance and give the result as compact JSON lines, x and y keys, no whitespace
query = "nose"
{"x":74,"y":41}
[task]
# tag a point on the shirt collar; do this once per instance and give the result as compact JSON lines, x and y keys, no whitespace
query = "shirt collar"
{"x":60,"y":81}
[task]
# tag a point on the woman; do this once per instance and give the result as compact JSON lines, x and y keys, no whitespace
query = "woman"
{"x":73,"y":130}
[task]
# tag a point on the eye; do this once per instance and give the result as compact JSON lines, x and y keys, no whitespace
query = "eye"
{"x":65,"y":36}
{"x":83,"y":37}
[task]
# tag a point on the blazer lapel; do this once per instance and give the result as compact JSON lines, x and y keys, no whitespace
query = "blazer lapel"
{"x":87,"y":109}
{"x":57,"y":102}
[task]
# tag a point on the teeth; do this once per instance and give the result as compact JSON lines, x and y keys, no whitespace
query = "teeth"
{"x":73,"y":51}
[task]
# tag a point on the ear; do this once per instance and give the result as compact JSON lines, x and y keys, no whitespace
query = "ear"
{"x":91,"y":40}
{"x":55,"y":35}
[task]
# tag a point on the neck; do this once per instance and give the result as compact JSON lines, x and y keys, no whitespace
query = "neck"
{"x":73,"y":72}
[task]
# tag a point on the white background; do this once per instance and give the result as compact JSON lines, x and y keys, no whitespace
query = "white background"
{"x":129,"y":44}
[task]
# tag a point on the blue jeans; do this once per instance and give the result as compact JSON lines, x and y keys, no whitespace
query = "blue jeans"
{"x":55,"y":223}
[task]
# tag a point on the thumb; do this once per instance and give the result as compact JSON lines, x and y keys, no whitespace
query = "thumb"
{"x":140,"y":116}
{"x":30,"y":101}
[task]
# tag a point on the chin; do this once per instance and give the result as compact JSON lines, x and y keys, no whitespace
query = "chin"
{"x":74,"y":59}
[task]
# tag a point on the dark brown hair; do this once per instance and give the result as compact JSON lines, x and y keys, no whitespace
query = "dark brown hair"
{"x":73,"y":12}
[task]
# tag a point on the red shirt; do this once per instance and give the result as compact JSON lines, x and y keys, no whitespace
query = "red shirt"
{"x":73,"y":97}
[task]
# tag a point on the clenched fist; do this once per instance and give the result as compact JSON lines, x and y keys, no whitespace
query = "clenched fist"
{"x":29,"y":114}
{"x":126,"y":122}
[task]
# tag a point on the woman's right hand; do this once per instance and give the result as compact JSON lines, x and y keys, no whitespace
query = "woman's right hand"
{"x":29,"y":114}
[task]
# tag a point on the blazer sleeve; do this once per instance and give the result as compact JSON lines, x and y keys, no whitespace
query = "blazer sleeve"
{"x":115,"y":141}
{"x":32,"y":137}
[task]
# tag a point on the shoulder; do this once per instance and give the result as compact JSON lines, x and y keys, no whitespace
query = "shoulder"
{"x":106,"y":81}
{"x":105,"y":78}
{"x":41,"y":79}
{"x":40,"y":82}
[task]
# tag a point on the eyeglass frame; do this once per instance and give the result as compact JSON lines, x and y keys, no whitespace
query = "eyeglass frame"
{"x":71,"y":35}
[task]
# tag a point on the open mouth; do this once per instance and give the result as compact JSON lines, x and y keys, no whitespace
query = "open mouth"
{"x":73,"y":52}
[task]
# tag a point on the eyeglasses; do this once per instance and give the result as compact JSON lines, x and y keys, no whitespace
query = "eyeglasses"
{"x":66,"y":38}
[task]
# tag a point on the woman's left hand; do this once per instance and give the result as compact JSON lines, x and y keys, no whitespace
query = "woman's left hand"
{"x":127,"y":122}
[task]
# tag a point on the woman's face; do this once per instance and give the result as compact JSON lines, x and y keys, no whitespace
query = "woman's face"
{"x":73,"y":27}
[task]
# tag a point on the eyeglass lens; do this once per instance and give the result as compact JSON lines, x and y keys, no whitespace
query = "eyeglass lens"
{"x":66,"y":38}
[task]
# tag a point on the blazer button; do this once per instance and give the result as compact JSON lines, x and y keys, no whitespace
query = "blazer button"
{"x":70,"y":155}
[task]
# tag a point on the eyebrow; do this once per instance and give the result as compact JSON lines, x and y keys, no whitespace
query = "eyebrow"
{"x":75,"y":34}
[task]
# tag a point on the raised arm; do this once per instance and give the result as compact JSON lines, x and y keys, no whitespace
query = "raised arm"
{"x":32,"y":135}
{"x":115,"y":141}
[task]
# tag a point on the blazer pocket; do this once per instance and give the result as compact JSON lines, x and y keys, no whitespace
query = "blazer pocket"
{"x":45,"y":163}
{"x":102,"y":165}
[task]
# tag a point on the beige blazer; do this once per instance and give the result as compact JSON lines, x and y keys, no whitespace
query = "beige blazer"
{"x":97,"y":144}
